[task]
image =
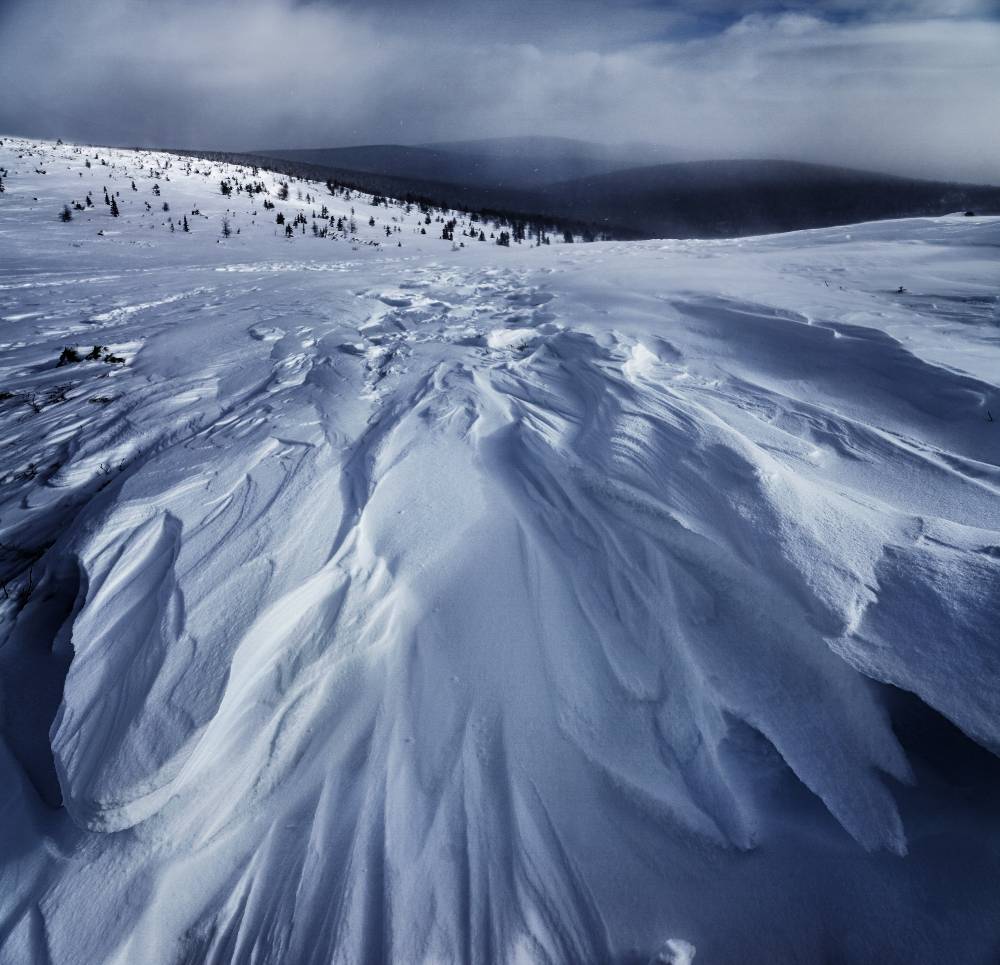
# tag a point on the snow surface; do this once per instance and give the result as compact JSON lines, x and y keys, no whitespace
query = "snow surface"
{"x":578,"y":603}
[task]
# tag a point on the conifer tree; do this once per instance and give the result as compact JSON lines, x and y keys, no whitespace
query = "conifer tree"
{"x":114,"y":208}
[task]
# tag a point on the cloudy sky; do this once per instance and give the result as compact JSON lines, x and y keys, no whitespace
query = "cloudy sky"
{"x":898,"y":85}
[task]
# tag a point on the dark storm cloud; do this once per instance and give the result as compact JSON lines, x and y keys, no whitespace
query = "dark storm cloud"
{"x":906,"y":85}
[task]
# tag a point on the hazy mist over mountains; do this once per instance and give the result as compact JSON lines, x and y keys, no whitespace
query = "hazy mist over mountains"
{"x":903,"y":86}
{"x":637,"y":191}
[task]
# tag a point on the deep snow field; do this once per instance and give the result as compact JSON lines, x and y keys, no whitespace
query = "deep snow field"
{"x":426,"y":603}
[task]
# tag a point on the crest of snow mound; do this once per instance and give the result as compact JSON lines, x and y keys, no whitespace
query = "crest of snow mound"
{"x":644,"y":610}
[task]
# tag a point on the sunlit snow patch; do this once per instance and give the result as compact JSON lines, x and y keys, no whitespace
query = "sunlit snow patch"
{"x":508,"y":338}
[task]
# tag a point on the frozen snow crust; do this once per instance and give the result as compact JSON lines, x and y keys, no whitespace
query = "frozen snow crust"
{"x":574,"y":603}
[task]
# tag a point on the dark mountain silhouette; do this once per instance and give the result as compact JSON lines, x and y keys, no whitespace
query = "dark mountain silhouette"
{"x":579,"y":183}
{"x":723,"y":198}
{"x":496,"y":163}
{"x":564,"y":149}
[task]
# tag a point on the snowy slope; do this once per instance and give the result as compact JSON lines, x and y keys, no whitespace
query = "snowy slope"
{"x":439,"y":603}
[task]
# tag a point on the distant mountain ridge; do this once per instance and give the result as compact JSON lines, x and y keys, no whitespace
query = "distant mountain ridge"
{"x":726,"y":198}
{"x":640,"y":191}
{"x":630,"y":154}
{"x":501,"y":163}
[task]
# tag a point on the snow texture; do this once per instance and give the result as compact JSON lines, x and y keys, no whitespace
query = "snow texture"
{"x":573,"y":603}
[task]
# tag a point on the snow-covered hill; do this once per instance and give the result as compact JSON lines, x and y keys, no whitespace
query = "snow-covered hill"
{"x":428,"y":602}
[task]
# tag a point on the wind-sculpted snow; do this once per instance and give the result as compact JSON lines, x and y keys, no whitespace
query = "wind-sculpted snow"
{"x":581,"y":605}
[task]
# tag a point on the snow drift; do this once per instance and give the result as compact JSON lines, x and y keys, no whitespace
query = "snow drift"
{"x":567,"y":604}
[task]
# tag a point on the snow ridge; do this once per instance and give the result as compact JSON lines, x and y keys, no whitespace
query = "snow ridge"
{"x":471,"y":605}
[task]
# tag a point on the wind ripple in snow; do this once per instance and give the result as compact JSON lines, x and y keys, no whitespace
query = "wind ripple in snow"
{"x":474,"y":621}
{"x":557,"y":579}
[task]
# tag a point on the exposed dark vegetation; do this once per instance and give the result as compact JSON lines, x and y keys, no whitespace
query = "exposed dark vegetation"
{"x":99,"y":353}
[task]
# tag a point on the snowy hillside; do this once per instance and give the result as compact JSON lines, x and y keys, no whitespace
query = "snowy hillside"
{"x":376,"y":597}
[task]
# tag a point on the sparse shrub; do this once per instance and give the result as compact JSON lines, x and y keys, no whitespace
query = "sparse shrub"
{"x":69,"y":356}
